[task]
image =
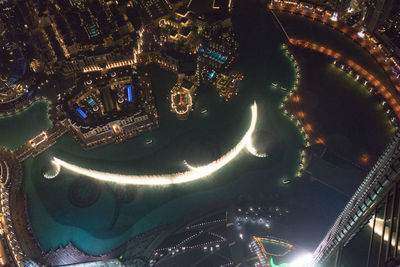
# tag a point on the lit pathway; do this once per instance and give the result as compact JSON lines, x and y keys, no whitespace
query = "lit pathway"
{"x":369,"y":43}
{"x":393,"y":102}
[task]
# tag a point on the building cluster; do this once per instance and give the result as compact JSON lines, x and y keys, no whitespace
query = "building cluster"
{"x":181,"y":97}
{"x":16,"y":80}
{"x":96,"y":48}
{"x":13,"y":68}
{"x":197,"y":48}
{"x":74,"y":35}
{"x":16,"y":246}
{"x":366,"y":232}
{"x":92,"y":50}
{"x":109,"y":107}
{"x":390,"y":28}
{"x":8,"y":239}
{"x":379,"y":18}
{"x":227,"y":84}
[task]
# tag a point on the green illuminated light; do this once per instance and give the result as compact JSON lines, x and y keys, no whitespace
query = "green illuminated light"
{"x":271,"y":262}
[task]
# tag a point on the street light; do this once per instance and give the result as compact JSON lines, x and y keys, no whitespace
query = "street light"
{"x":334,"y":16}
{"x":361,"y":33}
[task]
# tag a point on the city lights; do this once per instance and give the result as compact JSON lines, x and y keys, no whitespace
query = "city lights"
{"x":113,"y":193}
{"x":361,"y":33}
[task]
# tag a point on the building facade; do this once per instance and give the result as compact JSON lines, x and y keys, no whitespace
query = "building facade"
{"x":366,"y":233}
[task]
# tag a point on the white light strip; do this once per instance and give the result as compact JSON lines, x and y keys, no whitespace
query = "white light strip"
{"x":57,"y":169}
{"x":379,"y":230}
{"x":166,"y":179}
{"x":250,"y":147}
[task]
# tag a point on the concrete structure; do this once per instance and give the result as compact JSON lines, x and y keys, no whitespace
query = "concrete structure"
{"x":41,"y":142}
{"x":182,"y":95}
{"x":115,"y":131}
{"x":366,"y":233}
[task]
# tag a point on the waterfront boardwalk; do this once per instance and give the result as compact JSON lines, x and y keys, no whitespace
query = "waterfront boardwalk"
{"x":41,"y":142}
{"x":17,"y":238}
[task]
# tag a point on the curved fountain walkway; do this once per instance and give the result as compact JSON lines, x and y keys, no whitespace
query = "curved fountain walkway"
{"x":166,"y":179}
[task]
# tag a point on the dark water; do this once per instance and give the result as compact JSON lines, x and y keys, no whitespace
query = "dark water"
{"x":110,"y":221}
{"x":15,"y":130}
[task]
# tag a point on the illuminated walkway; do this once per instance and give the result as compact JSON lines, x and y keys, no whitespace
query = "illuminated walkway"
{"x":166,"y":179}
{"x":393,"y":102}
{"x":369,"y":43}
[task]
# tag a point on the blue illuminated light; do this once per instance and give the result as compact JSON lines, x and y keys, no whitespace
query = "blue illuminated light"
{"x":83,"y":114}
{"x":215,"y":56}
{"x":130,"y":93}
{"x":212,"y":74}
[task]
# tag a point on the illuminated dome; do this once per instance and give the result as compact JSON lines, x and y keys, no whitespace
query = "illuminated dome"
{"x":116,"y":128}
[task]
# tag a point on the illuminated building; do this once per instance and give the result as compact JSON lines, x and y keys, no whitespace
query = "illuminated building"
{"x":219,"y":48}
{"x":17,"y":83}
{"x":155,"y":8}
{"x":13,"y":69}
{"x":70,"y":31}
{"x":366,"y":233}
{"x":100,"y":98}
{"x":225,"y":5}
{"x":182,"y":95}
{"x":193,"y":47}
{"x":227,"y":85}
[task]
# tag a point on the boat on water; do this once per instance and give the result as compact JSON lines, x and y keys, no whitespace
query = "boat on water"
{"x":283,"y":88}
{"x":204,"y":111}
{"x":274,"y":84}
{"x":286,"y":181}
{"x":149,"y":142}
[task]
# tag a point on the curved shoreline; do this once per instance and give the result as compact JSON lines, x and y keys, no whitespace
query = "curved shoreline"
{"x":361,"y":71}
{"x":27,"y":104}
{"x":21,"y":241}
{"x":365,"y":43}
{"x":283,"y":108}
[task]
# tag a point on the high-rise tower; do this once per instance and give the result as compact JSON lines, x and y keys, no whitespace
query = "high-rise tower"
{"x":366,"y":233}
